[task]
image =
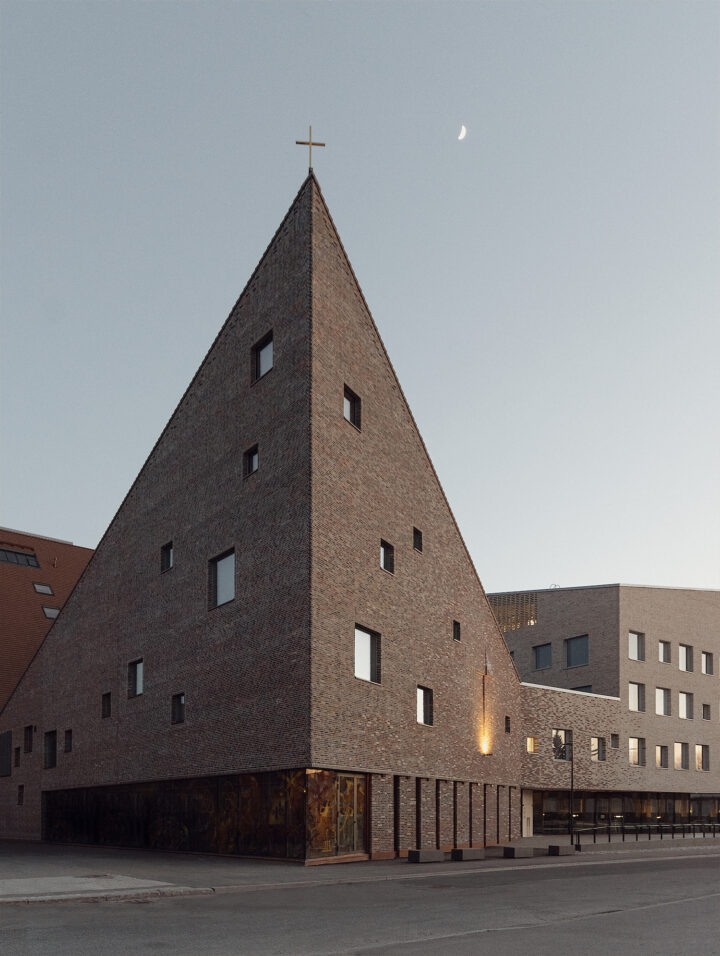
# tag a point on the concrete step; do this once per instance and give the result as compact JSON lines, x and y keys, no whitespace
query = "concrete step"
{"x":426,"y":856}
{"x":468,"y":853}
{"x":562,"y":849}
{"x":517,"y":852}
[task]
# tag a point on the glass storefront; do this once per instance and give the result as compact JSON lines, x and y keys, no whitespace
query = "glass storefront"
{"x":551,"y":809}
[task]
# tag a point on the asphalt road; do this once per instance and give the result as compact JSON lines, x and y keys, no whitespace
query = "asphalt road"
{"x":629,"y":907}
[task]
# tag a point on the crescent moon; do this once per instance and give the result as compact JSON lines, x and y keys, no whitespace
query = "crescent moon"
{"x":463,"y":133}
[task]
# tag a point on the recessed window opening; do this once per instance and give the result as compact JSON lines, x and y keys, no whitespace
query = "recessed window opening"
{"x":636,"y":646}
{"x":664,"y":652}
{"x":68,"y":742}
{"x":166,"y":556}
{"x":531,"y":745}
{"x":682,"y":756}
{"x":42,"y":588}
{"x":685,"y":705}
{"x":50,"y":750}
{"x":51,"y":612}
{"x":562,"y":744}
{"x":21,"y":795}
{"x":135,"y":678}
{"x":597,"y":749}
{"x":424,"y":705}
{"x":507,"y":725}
{"x":661,"y":757}
{"x":662,"y":701}
{"x":706,"y":712}
{"x":387,"y":557}
{"x":23,"y":558}
{"x":417,"y":539}
{"x":615,"y":741}
{"x":456,"y":630}
{"x":685,"y":657}
{"x":28,"y":739}
{"x":367,"y":655}
{"x":17,"y":756}
{"x":706,"y":662}
{"x":636,"y":696}
{"x":177,"y":709}
{"x":636,"y":751}
{"x":251,"y":461}
{"x":576,"y":651}
{"x":351,"y":407}
{"x":262,"y":357}
{"x":702,"y":757}
{"x":107,"y":704}
{"x":542,"y":657}
{"x":222,"y":579}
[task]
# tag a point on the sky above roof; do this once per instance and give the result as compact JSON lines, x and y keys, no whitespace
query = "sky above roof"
{"x":547,"y":288}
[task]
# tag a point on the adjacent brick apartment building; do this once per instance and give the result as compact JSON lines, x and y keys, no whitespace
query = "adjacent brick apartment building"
{"x":652,"y":654}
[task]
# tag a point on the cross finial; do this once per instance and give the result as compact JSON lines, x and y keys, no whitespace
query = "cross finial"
{"x":309,"y":143}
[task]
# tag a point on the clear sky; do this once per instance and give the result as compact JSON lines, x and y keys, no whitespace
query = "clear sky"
{"x":548,"y":288}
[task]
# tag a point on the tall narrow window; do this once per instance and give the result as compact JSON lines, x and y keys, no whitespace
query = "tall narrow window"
{"x":562,"y":744}
{"x":166,"y":556}
{"x":636,"y":646}
{"x":135,"y":678}
{"x":424,"y":705}
{"x":576,"y":651}
{"x":222,"y":579}
{"x":68,"y":742}
{"x":417,"y":539}
{"x":636,"y":751}
{"x":367,"y":655}
{"x":28,"y":739}
{"x":661,"y":757}
{"x":597,"y":749}
{"x":177,"y":709}
{"x":685,"y":705}
{"x":664,"y":652}
{"x":456,"y":630}
{"x":706,"y":662}
{"x":636,"y":696}
{"x":615,"y":741}
{"x":542,"y":657}
{"x":685,"y":657}
{"x":21,"y":795}
{"x":702,"y":757}
{"x":107,"y":704}
{"x":262,"y":357}
{"x":531,"y":745}
{"x":251,"y":461}
{"x":507,"y":724}
{"x":50,"y":752}
{"x":387,"y":557}
{"x":662,"y":701}
{"x":17,"y":756}
{"x":706,"y":711}
{"x":682,"y":756}
{"x":351,"y":407}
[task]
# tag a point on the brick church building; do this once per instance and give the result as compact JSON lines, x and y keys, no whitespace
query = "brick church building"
{"x":281,"y":646}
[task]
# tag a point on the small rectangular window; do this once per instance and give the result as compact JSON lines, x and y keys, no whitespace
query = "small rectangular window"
{"x":615,"y":741}
{"x":636,"y":646}
{"x":576,"y":651}
{"x":22,"y":558}
{"x":636,"y":751}
{"x":456,"y":630}
{"x":685,"y":705}
{"x":662,"y":701}
{"x":542,"y":657}
{"x":424,"y":705}
{"x":50,"y":751}
{"x":107,"y":704}
{"x":531,"y":745}
{"x":597,"y":749}
{"x":706,"y":712}
{"x":28,"y":739}
{"x":636,"y":696}
{"x":661,"y":757}
{"x":387,"y":557}
{"x":177,"y":709}
{"x":706,"y":662}
{"x":251,"y":461}
{"x":222,"y":579}
{"x":262,"y":357}
{"x":682,"y":756}
{"x":6,"y":754}
{"x":664,"y":652}
{"x":351,"y":407}
{"x":166,"y":556}
{"x":17,"y":756}
{"x":367,"y":655}
{"x":51,"y":612}
{"x":417,"y":539}
{"x":42,"y":588}
{"x":685,"y":657}
{"x":702,"y":757}
{"x":68,"y":742}
{"x":135,"y":678}
{"x":507,"y":724}
{"x":21,"y":795}
{"x":562,"y":744}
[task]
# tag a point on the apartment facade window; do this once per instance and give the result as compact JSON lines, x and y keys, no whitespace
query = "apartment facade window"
{"x":50,"y":750}
{"x":367,"y":655}
{"x":662,"y":701}
{"x":685,"y":657}
{"x":661,"y":757}
{"x":166,"y":557}
{"x":67,"y":748}
{"x":542,"y":657}
{"x":222,"y":579}
{"x":576,"y":651}
{"x":28,"y":739}
{"x":251,"y":461}
{"x":531,"y":745}
{"x":706,"y":712}
{"x":636,"y":696}
{"x":636,"y":646}
{"x":19,"y":557}
{"x":615,"y":741}
{"x":135,"y":678}
{"x":682,"y":756}
{"x":262,"y":357}
{"x":177,"y":709}
{"x":702,"y":757}
{"x":664,"y":653}
{"x":387,"y":557}
{"x":597,"y":749}
{"x":456,"y":630}
{"x":706,"y":662}
{"x":351,"y":407}
{"x":636,"y":751}
{"x":424,"y":705}
{"x":417,"y":539}
{"x":685,"y":705}
{"x":107,"y":704}
{"x":562,"y":744}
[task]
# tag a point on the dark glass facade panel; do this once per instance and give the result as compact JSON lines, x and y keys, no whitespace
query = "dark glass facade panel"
{"x":336,"y":813}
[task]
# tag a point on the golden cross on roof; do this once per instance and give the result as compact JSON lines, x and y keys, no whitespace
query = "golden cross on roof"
{"x":309,"y":143}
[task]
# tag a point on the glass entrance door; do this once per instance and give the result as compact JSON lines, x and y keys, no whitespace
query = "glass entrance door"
{"x":350,"y":813}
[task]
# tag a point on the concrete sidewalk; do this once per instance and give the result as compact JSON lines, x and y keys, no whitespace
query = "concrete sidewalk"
{"x":37,"y":872}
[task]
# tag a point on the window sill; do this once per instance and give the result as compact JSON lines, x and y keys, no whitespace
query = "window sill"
{"x":367,"y":680}
{"x":254,"y":381}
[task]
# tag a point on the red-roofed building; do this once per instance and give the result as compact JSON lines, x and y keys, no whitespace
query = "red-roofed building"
{"x":37,"y":575}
